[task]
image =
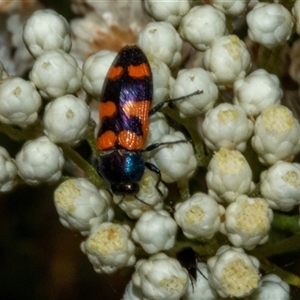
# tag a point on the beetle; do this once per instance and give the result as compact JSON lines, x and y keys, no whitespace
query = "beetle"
{"x":124,"y":113}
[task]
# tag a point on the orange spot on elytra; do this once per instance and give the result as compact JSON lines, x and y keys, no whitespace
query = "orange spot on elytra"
{"x":139,"y":71}
{"x":107,"y":109}
{"x":106,"y":140}
{"x":138,"y":109}
{"x":115,"y":72}
{"x":130,"y":140}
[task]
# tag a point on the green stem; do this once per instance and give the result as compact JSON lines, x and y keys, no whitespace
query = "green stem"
{"x":288,"y":277}
{"x":22,"y":134}
{"x":270,"y":59}
{"x":291,"y":244}
{"x":87,"y":169}
{"x":184,"y":189}
{"x":90,"y":137}
{"x":286,"y":223}
{"x":229,"y":24}
{"x":14,"y":134}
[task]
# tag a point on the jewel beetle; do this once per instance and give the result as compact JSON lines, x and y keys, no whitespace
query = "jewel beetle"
{"x":124,"y":112}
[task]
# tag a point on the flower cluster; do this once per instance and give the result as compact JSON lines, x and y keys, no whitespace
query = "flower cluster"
{"x":246,"y":139}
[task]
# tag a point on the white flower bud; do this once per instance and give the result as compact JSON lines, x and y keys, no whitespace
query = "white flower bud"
{"x":160,"y":277}
{"x":176,"y":161}
{"x":257,"y":91}
{"x":147,"y":198}
{"x":66,"y":120}
{"x":46,"y":30}
{"x":233,"y":273}
{"x":132,"y":292}
{"x":199,"y":216}
{"x":271,"y":287}
{"x":227,"y":60}
{"x":227,"y":126}
{"x":189,"y":81}
{"x":19,"y":102}
{"x":231,"y":8}
{"x":80,"y":205}
{"x":296,"y":15}
{"x":280,"y":185}
{"x":162,"y":79}
{"x":155,"y":231}
{"x":170,"y":11}
{"x":202,"y":25}
{"x":39,"y":161}
{"x":269,"y":24}
{"x":200,"y":289}
{"x":156,"y":34}
{"x":229,"y":175}
{"x":276,"y":135}
{"x":56,"y":73}
{"x":247,"y":222}
{"x":94,"y":70}
{"x":8,"y":174}
{"x":109,"y":247}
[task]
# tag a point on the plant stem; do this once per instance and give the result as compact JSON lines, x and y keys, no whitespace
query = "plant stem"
{"x":288,"y":277}
{"x":184,"y":189}
{"x":291,"y":244}
{"x":286,"y":223}
{"x":88,"y":170}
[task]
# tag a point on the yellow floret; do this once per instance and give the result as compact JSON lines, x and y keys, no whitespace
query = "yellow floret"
{"x":106,"y":241}
{"x":233,"y":47}
{"x":253,"y":216}
{"x":240,"y":279}
{"x":173,"y":284}
{"x":229,"y":161}
{"x":292,"y":178}
{"x":194,"y":215}
{"x":65,"y":195}
{"x":278,"y":118}
{"x":228,"y":115}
